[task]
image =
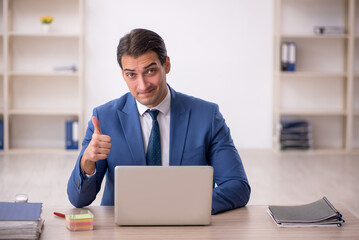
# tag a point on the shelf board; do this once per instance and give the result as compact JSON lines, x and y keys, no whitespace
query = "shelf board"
{"x":314,"y":36}
{"x":46,"y":35}
{"x":313,"y":151}
{"x":55,"y":150}
{"x":44,"y":112}
{"x":304,"y":74}
{"x":44,"y":74}
{"x":313,"y":112}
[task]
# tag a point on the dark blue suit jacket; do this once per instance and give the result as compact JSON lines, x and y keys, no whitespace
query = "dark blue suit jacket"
{"x":198,"y":136}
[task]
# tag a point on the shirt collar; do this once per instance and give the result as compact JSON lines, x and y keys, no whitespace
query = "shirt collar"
{"x":163,"y":107}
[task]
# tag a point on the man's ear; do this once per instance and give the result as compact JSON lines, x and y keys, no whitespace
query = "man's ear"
{"x":167,"y":65}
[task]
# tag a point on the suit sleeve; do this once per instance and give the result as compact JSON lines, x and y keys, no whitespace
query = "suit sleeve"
{"x":81,"y":190}
{"x":232,"y":189}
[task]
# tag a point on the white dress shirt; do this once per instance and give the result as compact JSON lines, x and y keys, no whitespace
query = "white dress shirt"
{"x":163,"y":118}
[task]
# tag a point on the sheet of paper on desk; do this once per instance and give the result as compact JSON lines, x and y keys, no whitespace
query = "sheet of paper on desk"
{"x":320,"y":213}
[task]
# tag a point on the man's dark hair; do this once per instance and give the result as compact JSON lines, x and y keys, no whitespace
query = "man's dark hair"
{"x":140,"y":41}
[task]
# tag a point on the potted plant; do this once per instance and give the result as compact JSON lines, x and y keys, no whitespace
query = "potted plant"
{"x":46,"y":22}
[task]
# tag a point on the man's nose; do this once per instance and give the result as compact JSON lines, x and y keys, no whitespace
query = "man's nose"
{"x":142,"y":82}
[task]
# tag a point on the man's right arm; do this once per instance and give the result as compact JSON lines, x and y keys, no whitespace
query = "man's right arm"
{"x":82,"y":190}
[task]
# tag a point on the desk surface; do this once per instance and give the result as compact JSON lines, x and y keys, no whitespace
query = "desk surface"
{"x":251,"y":222}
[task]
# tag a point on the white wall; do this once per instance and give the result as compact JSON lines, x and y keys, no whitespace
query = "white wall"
{"x":220,"y":51}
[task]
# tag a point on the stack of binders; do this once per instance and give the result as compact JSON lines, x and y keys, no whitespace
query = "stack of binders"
{"x":295,"y":134}
{"x":288,"y":56}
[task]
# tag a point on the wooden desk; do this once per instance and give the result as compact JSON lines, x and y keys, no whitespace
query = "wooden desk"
{"x":251,"y":222}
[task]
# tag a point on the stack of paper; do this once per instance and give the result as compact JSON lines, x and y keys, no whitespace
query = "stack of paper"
{"x":79,"y":219}
{"x":20,"y":220}
{"x":295,"y":134}
{"x":316,"y":214}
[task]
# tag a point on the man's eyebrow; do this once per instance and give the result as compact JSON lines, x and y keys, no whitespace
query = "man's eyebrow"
{"x":149,"y":65}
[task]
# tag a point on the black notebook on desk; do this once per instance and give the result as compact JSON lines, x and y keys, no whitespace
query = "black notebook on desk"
{"x":20,"y":220}
{"x":315,"y":214}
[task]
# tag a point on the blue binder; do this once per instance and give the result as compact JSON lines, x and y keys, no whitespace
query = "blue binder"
{"x":292,"y":56}
{"x":72,"y":140}
{"x":1,"y":135}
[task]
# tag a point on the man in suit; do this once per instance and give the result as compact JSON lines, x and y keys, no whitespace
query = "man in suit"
{"x":189,"y":131}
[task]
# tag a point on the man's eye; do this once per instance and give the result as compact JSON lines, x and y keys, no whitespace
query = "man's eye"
{"x":151,"y":71}
{"x":130,"y":75}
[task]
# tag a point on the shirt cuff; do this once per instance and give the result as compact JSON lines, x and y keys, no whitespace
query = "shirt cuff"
{"x":86,"y":176}
{"x":90,"y":175}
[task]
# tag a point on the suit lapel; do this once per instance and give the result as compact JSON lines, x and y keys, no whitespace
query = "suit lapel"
{"x":178,"y":129}
{"x":131,"y":127}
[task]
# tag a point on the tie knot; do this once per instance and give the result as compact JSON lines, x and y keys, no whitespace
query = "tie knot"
{"x":153,"y":113}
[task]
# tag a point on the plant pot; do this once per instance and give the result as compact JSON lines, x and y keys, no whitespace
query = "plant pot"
{"x":46,"y":27}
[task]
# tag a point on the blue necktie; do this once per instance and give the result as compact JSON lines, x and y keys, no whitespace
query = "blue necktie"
{"x":153,"y":155}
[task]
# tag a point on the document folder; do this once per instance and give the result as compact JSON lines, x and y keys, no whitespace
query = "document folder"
{"x":318,"y":213}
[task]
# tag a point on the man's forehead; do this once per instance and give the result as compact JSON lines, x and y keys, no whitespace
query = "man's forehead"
{"x":143,"y":61}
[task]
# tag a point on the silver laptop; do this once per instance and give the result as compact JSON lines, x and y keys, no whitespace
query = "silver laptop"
{"x":156,"y":195}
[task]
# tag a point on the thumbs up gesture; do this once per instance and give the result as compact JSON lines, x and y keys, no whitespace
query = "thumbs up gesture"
{"x":98,"y":148}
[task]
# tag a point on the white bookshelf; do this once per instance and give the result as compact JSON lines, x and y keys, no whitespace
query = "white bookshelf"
{"x":36,"y":100}
{"x":324,"y":89}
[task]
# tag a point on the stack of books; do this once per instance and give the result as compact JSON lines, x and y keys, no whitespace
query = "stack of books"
{"x":295,"y":134}
{"x":320,"y":213}
{"x":20,"y":220}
